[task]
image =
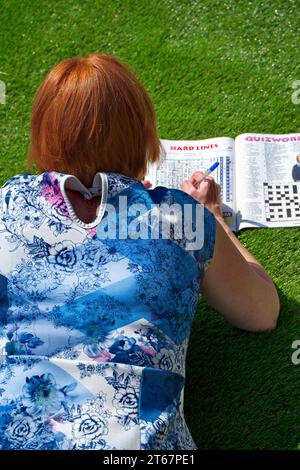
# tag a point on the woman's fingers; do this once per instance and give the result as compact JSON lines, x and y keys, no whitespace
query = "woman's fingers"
{"x":188,"y":187}
{"x":198,"y":194}
{"x":203,"y":188}
{"x":196,"y":176}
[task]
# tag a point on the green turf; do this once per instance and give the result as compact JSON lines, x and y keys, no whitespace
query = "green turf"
{"x":212,"y":68}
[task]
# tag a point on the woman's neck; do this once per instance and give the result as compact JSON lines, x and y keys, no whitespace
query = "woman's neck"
{"x":85,"y":209}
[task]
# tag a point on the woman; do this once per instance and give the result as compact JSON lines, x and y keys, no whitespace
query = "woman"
{"x":95,"y":319}
{"x":296,"y":169}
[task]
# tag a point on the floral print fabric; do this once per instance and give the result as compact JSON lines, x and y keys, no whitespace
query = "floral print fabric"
{"x":93,"y":331}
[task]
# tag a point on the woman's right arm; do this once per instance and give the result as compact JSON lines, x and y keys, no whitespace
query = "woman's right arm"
{"x":235,"y":284}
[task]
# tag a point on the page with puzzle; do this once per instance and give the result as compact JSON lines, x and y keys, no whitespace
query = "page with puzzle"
{"x":182,"y":157}
{"x":268,"y":180}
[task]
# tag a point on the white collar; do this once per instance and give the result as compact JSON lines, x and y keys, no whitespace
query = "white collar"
{"x":72,"y":182}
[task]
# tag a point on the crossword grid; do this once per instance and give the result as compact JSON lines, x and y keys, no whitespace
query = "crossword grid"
{"x":171,"y":172}
{"x":282,"y":201}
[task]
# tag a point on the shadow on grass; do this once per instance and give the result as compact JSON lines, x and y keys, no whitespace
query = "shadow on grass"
{"x":242,"y":389}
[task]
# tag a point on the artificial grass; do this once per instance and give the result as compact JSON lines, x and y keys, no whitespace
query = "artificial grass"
{"x":212,"y":68}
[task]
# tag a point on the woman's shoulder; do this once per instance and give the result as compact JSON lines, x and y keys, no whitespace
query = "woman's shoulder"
{"x":162,"y":194}
{"x":21,"y":179}
{"x":196,"y":221}
{"x":16,"y":187}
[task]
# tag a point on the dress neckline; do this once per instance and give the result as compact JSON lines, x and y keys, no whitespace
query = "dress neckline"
{"x":100,"y":186}
{"x":106,"y":184}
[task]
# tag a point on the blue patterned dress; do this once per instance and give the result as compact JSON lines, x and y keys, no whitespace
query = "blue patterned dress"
{"x":93,"y":330}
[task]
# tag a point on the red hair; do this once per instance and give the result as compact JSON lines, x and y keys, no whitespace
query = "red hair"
{"x":91,"y":114}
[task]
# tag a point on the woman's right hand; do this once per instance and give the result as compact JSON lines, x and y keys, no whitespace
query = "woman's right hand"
{"x":208,"y":192}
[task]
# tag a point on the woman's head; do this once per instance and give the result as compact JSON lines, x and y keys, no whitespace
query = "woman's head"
{"x":298,"y":158}
{"x":91,"y":114}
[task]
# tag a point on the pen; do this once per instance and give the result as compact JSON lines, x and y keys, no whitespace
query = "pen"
{"x":208,"y":172}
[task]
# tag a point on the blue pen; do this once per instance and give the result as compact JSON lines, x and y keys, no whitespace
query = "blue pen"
{"x":208,"y":172}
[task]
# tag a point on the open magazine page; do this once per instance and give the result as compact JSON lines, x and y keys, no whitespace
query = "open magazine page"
{"x":183,"y":157}
{"x":268,"y":180}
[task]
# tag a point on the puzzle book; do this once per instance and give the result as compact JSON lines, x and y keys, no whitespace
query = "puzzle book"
{"x":259,"y":175}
